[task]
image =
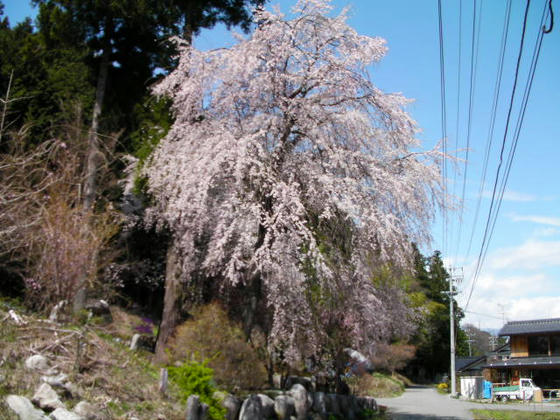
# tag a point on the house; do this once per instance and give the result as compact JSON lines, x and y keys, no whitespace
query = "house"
{"x":534,"y":353}
{"x":470,"y":366}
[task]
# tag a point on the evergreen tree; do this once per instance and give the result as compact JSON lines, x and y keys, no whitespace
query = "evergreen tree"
{"x":48,"y":83}
{"x":432,"y":337}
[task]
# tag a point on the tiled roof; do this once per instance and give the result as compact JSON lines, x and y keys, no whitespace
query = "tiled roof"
{"x":466,"y":363}
{"x":531,"y":327}
{"x":526,"y":362}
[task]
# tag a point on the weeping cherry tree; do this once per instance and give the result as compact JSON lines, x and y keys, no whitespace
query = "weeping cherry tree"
{"x":289,"y":174}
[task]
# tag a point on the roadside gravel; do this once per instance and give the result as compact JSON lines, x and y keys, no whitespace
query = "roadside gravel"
{"x":423,"y":403}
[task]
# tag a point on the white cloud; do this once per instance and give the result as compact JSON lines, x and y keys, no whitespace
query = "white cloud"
{"x":511,"y":286}
{"x":547,"y":232}
{"x":513,"y":196}
{"x":521,"y":281}
{"x":543,"y":220}
{"x":532,"y":255}
{"x":535,"y":308}
{"x":489,"y":311}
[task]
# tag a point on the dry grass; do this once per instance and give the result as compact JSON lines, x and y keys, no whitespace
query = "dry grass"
{"x":118,"y":381}
{"x":377,"y":385}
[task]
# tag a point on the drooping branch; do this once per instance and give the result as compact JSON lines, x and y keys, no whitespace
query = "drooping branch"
{"x":295,"y":137}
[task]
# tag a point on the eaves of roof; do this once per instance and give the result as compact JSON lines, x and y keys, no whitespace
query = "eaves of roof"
{"x":544,"y":361}
{"x":463,"y":364}
{"x":535,"y":326}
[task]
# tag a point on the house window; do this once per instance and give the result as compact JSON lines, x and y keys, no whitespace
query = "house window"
{"x":555,"y":345}
{"x":538,"y":345}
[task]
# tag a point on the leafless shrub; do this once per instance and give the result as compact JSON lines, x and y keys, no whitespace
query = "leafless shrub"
{"x":25,"y":178}
{"x":65,"y":251}
{"x":392,"y":357}
{"x":46,"y":236}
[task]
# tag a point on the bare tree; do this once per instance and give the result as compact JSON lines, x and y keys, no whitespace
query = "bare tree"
{"x":44,"y":231}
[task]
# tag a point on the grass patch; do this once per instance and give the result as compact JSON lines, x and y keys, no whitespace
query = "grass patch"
{"x":513,"y":415}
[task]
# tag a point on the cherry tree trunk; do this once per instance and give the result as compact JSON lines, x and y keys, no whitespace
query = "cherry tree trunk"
{"x":171,"y":302}
{"x":171,"y":313}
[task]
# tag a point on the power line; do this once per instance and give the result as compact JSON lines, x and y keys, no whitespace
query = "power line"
{"x":475,"y":37}
{"x":443,"y":123}
{"x":457,"y":117}
{"x":486,"y":236}
{"x":493,"y":113}
{"x":520,"y":118}
{"x":481,"y":314}
{"x":493,"y":212}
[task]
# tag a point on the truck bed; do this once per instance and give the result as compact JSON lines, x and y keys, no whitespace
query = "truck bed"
{"x":511,"y":388}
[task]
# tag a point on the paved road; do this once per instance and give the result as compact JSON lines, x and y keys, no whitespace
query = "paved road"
{"x":424,"y":403}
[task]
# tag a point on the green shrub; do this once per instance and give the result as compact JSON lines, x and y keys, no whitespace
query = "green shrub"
{"x":197,"y":378}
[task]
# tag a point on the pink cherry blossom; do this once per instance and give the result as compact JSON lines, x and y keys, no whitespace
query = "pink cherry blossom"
{"x":277,"y":136}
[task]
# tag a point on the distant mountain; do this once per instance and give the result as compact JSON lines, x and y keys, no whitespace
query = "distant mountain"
{"x":493,"y":331}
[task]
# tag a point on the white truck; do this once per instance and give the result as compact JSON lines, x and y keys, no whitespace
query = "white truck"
{"x":524,"y":391}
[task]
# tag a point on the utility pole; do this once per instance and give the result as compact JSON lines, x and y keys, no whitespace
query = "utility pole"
{"x":503,"y":312}
{"x":492,"y":340}
{"x":469,"y":341}
{"x":452,"y":277}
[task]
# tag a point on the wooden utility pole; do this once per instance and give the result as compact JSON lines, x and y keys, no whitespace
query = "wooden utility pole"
{"x":452,"y":278}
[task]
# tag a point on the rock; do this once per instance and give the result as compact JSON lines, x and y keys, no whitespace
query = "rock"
{"x":16,"y":318}
{"x":203,"y":413}
{"x":23,"y":408}
{"x":196,"y":410}
{"x":64,"y":414}
{"x":302,"y":380}
{"x":284,"y":407}
{"x":367,"y":403}
{"x":332,"y":404}
{"x":140,"y":341}
{"x":301,"y":403}
{"x":267,"y":404}
{"x":100,"y":308}
{"x":344,"y":404}
{"x":320,"y":404}
{"x":46,"y":398}
{"x":134,"y":342}
{"x":86,"y":410}
{"x":251,"y":409}
{"x":277,"y":380}
{"x":163,"y":380}
{"x":354,"y":406}
{"x":57,"y":380}
{"x":232,"y":406}
{"x":71,"y":389}
{"x":56,"y":310}
{"x":37,"y":362}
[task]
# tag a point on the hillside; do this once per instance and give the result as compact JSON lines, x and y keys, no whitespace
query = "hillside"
{"x":91,"y":362}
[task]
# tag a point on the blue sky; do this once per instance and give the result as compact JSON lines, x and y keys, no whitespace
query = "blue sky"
{"x":520,"y":276}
